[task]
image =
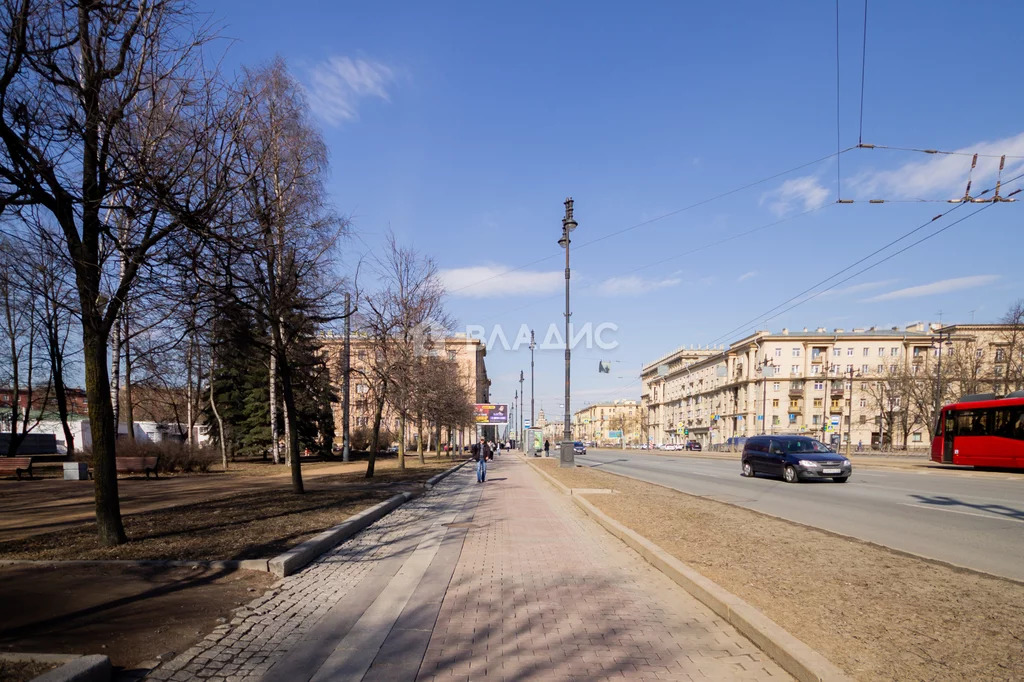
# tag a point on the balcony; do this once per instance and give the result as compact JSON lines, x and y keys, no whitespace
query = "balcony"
{"x":838,"y":391}
{"x":798,"y":392}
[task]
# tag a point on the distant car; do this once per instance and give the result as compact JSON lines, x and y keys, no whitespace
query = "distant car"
{"x":693,"y":445}
{"x":392,"y":448}
{"x":579,"y":448}
{"x":795,"y":458}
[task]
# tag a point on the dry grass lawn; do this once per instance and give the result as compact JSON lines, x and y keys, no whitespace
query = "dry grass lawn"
{"x":250,"y":525}
{"x":876,"y":613}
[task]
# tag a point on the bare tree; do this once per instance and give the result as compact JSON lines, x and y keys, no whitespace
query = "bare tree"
{"x":108,"y":119}
{"x":1012,"y":340}
{"x":406,"y":308}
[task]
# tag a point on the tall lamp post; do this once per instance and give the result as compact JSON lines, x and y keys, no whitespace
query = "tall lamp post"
{"x":938,"y":342}
{"x":765,"y":364}
{"x":826,"y":401}
{"x":849,"y":431}
{"x":522,"y":396}
{"x":568,"y":225}
{"x":533,"y":345}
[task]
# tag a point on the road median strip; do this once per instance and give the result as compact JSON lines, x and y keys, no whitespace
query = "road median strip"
{"x":796,"y":657}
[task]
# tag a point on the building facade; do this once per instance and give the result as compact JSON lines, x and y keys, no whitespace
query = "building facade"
{"x":467,"y":353}
{"x":609,"y":424}
{"x":865,"y":387}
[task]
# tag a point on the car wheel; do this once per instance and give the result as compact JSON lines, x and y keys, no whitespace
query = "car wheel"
{"x":748,"y":470}
{"x":841,"y":479}
{"x":790,"y":474}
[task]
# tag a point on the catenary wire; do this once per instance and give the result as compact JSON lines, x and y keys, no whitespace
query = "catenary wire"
{"x":643,"y":223}
{"x":763,"y":315}
{"x":839,"y":184}
{"x":863,"y":64}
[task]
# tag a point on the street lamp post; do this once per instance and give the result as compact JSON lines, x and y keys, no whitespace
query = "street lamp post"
{"x":849,"y":431}
{"x":765,"y":364}
{"x":522,"y":396}
{"x":938,"y":371}
{"x":533,"y":345}
{"x":568,"y":225}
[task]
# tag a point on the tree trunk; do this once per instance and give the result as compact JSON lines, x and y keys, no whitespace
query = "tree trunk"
{"x":220,"y":422}
{"x":101,"y":422}
{"x":188,"y":392}
{"x":129,"y":406}
{"x":401,"y":440}
{"x":274,"y":447}
{"x":115,"y":373}
{"x":378,"y":412}
{"x":291,"y":433}
{"x":419,"y":437}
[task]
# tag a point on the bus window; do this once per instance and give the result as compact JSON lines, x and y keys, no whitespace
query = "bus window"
{"x":972,"y":423}
{"x":950,"y":424}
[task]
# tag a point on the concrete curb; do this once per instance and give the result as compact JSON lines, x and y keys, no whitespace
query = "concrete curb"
{"x":246,"y":564}
{"x":434,"y":480}
{"x":75,"y":668}
{"x":790,"y":653}
{"x":295,"y":559}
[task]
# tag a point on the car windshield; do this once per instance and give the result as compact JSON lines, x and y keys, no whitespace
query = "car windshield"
{"x":809,"y":445}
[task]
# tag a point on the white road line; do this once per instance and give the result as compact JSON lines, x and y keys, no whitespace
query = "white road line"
{"x":991,"y":517}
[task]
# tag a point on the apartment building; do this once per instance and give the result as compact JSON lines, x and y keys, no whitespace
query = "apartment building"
{"x":844,"y":387}
{"x":602,"y":423}
{"x":467,"y":353}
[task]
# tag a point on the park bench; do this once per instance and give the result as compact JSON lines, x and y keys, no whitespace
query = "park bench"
{"x":137,"y":465}
{"x":15,"y":465}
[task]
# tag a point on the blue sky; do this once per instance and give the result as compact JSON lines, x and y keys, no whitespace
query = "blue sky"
{"x":463,"y":127}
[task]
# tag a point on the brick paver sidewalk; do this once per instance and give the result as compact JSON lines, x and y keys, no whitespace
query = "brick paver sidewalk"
{"x":505,"y":580}
{"x":542,"y":592}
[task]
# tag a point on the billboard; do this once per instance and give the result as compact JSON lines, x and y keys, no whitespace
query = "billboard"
{"x":490,"y":414}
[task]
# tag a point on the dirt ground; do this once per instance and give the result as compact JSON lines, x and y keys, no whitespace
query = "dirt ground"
{"x":131,"y":615}
{"x":134,"y":614}
{"x":876,"y":613}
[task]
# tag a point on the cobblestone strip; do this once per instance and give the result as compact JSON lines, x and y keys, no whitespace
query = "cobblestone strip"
{"x":262,"y":631}
{"x":542,"y":592}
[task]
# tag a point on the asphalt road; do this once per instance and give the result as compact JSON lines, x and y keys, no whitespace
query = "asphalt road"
{"x":958,"y":516}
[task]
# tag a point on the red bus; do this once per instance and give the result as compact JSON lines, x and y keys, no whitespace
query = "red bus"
{"x":982,"y":431}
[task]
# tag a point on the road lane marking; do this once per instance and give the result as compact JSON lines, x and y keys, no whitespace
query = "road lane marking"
{"x":991,"y":517}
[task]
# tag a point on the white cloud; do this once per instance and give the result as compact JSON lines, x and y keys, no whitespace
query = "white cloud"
{"x":859,"y":288}
{"x":746,"y":275}
{"x":806,"y":193}
{"x":942,"y":176}
{"x":941,"y":287}
{"x":494,"y":281}
{"x":336,"y":86}
{"x":631,"y":284}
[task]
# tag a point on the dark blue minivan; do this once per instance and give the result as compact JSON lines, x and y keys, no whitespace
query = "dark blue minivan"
{"x":794,"y":458}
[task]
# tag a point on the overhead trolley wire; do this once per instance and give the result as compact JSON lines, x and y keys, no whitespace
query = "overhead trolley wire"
{"x":643,"y":223}
{"x":839,"y":188}
{"x":863,"y":64}
{"x":861,"y":260}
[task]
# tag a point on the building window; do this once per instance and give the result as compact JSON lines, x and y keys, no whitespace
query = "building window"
{"x":863,"y":369}
{"x":775,"y":402}
{"x":817,"y":402}
{"x":863,"y":419}
{"x":792,"y":419}
{"x":796,"y":352}
{"x":816,"y":420}
{"x":915,"y":437}
{"x":776,"y":386}
{"x":917,"y":351}
{"x":794,"y":369}
{"x":881,"y":368}
{"x":835,"y":403}
{"x":819,"y":385}
{"x":999,"y":370}
{"x":1000,"y":354}
{"x":836,"y":352}
{"x":881,"y":352}
{"x":794,"y":404}
{"x":778,"y":352}
{"x":775,"y":420}
{"x":849,"y":352}
{"x":452,"y":355}
{"x":865,"y":353}
{"x":980,"y":353}
{"x":849,"y":369}
{"x":892,"y":369}
{"x":894,"y":352}
{"x":362,"y":389}
{"x":863,"y":402}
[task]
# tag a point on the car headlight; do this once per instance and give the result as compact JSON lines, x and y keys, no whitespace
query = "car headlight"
{"x":846,"y":463}
{"x":807,"y":463}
